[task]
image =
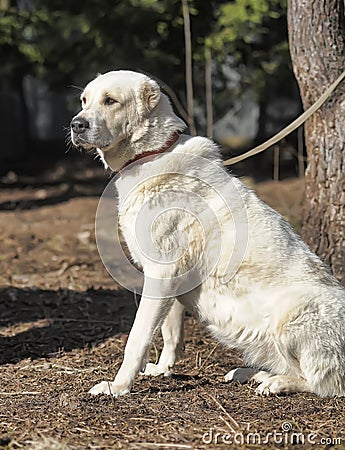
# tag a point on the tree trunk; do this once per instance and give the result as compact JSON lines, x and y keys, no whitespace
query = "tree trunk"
{"x":317,"y":46}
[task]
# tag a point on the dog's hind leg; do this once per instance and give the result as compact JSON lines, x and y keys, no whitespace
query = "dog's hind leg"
{"x":282,"y":384}
{"x":268,"y":384}
{"x":173,"y":338}
{"x":323,"y":366}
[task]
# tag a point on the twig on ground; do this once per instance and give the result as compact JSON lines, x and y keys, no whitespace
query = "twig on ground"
{"x":207,"y":358}
{"x":162,"y":444}
{"x":233,"y":422}
{"x":20,"y":393}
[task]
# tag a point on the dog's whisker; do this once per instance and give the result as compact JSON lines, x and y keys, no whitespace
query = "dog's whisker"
{"x":73,"y":86}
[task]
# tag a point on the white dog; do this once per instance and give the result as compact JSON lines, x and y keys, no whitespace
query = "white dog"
{"x":205,"y":242}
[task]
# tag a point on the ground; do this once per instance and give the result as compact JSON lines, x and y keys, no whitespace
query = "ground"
{"x":63,"y":327}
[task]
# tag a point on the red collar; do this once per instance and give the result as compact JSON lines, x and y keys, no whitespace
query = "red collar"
{"x":165,"y":147}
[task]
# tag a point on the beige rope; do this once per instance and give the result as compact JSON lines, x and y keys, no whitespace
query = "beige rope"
{"x":287,"y":130}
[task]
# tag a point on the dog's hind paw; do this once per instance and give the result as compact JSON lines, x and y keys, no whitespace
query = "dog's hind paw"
{"x":109,"y":388}
{"x":154,"y":370}
{"x":282,"y":384}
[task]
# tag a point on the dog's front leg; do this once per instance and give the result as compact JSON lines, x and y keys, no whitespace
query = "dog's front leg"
{"x":149,"y":317}
{"x":172,"y":332}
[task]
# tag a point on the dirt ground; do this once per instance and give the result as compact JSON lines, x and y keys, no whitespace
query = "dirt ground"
{"x":63,"y":327}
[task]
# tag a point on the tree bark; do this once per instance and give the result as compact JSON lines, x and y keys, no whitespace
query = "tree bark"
{"x":317,"y":46}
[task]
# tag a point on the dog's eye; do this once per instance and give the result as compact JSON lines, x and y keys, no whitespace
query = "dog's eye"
{"x":109,"y":101}
{"x":83,"y":100}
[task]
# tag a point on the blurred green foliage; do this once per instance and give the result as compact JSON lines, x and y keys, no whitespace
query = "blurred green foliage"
{"x":66,"y":42}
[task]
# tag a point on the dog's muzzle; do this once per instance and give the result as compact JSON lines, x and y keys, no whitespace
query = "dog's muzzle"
{"x":79,"y":125}
{"x":79,"y":132}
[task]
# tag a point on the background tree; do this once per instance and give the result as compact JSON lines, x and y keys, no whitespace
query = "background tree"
{"x":64,"y":44}
{"x":251,"y":36}
{"x":317,"y":45}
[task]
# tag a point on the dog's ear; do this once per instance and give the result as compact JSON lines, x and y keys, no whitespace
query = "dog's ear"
{"x":150,"y":94}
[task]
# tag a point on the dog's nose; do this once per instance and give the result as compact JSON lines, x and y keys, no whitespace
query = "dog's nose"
{"x":79,"y":125}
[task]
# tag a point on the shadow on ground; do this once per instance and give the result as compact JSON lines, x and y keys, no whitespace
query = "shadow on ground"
{"x":37,"y":323}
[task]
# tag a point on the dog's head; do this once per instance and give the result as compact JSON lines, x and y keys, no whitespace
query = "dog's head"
{"x":123,"y":114}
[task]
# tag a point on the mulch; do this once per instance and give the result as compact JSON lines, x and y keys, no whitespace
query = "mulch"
{"x":63,"y":328}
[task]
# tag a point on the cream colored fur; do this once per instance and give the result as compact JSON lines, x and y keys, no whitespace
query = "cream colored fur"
{"x":244,"y":272}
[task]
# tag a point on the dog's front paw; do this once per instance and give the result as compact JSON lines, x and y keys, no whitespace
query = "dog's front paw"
{"x":154,"y":370}
{"x":109,"y":388}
